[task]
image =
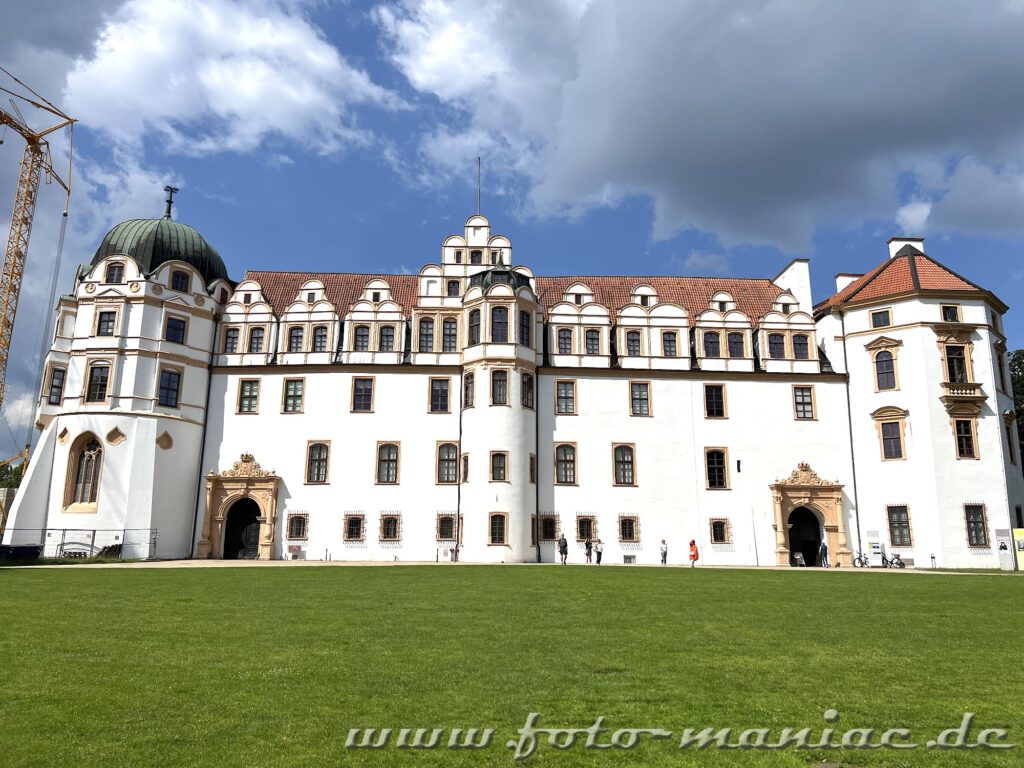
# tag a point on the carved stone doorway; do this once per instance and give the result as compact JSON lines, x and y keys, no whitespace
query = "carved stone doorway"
{"x":245,"y":480}
{"x":803,"y":488}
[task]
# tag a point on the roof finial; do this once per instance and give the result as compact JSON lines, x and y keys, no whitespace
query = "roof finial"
{"x":478,"y":186}
{"x":170,"y":200}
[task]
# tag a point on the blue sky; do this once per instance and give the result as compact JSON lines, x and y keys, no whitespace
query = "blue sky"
{"x":618,"y":137}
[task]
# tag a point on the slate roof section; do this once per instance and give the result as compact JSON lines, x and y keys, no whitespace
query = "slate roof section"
{"x":754,"y":297}
{"x":909,"y":270}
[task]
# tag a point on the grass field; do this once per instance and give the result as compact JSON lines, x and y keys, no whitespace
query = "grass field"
{"x":273,"y":666}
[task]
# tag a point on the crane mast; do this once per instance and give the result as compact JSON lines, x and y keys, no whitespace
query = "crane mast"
{"x":35,"y":161}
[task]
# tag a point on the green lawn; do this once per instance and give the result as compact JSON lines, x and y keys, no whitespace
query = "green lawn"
{"x":272,"y":666}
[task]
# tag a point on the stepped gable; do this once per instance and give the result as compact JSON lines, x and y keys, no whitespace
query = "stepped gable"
{"x":753,"y":297}
{"x":343,"y":289}
{"x":909,"y":270}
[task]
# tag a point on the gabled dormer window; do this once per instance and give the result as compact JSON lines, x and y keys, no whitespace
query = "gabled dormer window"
{"x":476,"y":257}
{"x":310,"y":297}
{"x":579,"y":299}
{"x":376,"y":297}
{"x":179,"y":281}
{"x":723,"y":306}
{"x":458,"y":257}
{"x":115,"y":273}
{"x":645,"y":301}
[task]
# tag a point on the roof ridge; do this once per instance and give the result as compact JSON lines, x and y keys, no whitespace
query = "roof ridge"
{"x":914,"y":279}
{"x":954,"y":274}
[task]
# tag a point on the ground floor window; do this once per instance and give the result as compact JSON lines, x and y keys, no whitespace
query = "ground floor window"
{"x":390,"y":528}
{"x":629,"y":528}
{"x":446,"y":527}
{"x":297,"y":526}
{"x":977,"y":526}
{"x":720,"y":533}
{"x":354,"y":527}
{"x":548,"y":528}
{"x":899,"y":525}
{"x":498,"y":529}
{"x":586,"y":528}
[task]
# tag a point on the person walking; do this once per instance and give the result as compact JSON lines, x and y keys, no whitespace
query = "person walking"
{"x":823,"y":552}
{"x":563,"y":548}
{"x":664,"y":552}
{"x":599,"y":548}
{"x":694,"y":554}
{"x":589,"y":549}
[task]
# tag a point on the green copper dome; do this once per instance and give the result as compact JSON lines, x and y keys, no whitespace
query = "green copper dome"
{"x":151,"y":242}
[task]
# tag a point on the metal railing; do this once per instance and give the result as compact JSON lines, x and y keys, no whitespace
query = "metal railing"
{"x":83,"y":543}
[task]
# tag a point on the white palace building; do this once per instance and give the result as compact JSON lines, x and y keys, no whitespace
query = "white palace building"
{"x":479,"y":411}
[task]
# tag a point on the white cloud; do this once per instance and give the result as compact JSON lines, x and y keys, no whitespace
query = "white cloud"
{"x":756,"y":120}
{"x":209,"y":76}
{"x":980,"y":199}
{"x":702,"y":263}
{"x":912,"y":218}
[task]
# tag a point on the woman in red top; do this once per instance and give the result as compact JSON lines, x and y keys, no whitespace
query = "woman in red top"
{"x":693,"y":552}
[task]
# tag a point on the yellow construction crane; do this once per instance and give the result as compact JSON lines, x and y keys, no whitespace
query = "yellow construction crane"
{"x":35,"y":162}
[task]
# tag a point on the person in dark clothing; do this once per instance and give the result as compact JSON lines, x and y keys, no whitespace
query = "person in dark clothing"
{"x":589,"y":547}
{"x":823,"y":553}
{"x":563,"y":548}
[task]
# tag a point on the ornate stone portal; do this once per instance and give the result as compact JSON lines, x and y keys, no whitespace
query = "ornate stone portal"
{"x":246,"y":479}
{"x":803,"y":488}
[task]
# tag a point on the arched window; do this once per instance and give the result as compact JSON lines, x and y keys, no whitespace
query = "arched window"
{"x":474,"y":327}
{"x":387,"y":338}
{"x":362,"y":338}
{"x":316,"y":463}
{"x":230,"y":341}
{"x":776,"y":346}
{"x":633,"y":343}
{"x":468,"y":386}
{"x":565,"y":464}
{"x":719,"y":532}
{"x":449,"y":335}
{"x":295,"y":339}
{"x":593,"y":341}
{"x":735,"y":345}
{"x":499,"y":324}
{"x":801,"y":347}
{"x":885,"y":370}
{"x":99,"y":377}
{"x":716,"y":470}
{"x":447,"y":463}
{"x":426,"y":335}
{"x":712,"y":345}
{"x":564,"y":341}
{"x":623,"y":465}
{"x":320,"y":338}
{"x":387,"y":463}
{"x":256,"y":340}
{"x":84,"y":464}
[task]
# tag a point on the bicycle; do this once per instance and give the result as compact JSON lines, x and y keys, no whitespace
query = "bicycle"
{"x":861,"y":561}
{"x":893,"y":562}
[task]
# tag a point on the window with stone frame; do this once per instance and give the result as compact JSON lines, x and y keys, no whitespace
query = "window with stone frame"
{"x":86,"y":460}
{"x":714,"y":401}
{"x":639,"y":398}
{"x":230,"y":341}
{"x":468,"y":394}
{"x":453,"y":288}
{"x":499,"y":387}
{"x":525,"y":320}
{"x":474,"y":327}
{"x":115,"y":273}
{"x":712,"y":344}
{"x":180,"y":281}
{"x":320,"y":338}
{"x":256,"y":340}
{"x":498,"y":529}
{"x":533,"y":468}
{"x":892,"y":440}
{"x":565,"y":465}
{"x":298,"y":526}
{"x":293,"y":392}
{"x":668,"y":344}
{"x":248,"y":396}
{"x":170,"y":388}
{"x":956,"y":364}
{"x":548,"y":528}
{"x":586,"y":527}
{"x":564,"y":341}
{"x":105,"y":323}
{"x":295,"y":339}
{"x":633,"y":343}
{"x":387,"y":464}
{"x":965,"y":442}
{"x":880,"y":319}
{"x":426,"y":334}
{"x":720,"y":530}
{"x":439,"y":395}
{"x":447,"y":463}
{"x":387,"y":338}
{"x":316,"y":463}
{"x":499,"y":467}
{"x":362,"y":395}
{"x":96,"y":389}
{"x":565,"y":398}
{"x":951,"y":313}
{"x":885,"y":370}
{"x":776,"y":346}
{"x":898,"y":516}
{"x":175,"y":330}
{"x":362,"y":339}
{"x":355,"y":527}
{"x":623,"y":457}
{"x":55,"y":393}
{"x":593,"y":339}
{"x":499,"y":325}
{"x":977,"y":525}
{"x":717,"y":468}
{"x":736,"y":345}
{"x":803,"y":403}
{"x":629,"y":529}
{"x":801,"y":346}
{"x":450,"y":335}
{"x":527,"y":390}
{"x":390,"y":527}
{"x":445,"y":527}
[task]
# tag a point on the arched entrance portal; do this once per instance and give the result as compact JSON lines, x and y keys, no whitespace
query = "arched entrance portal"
{"x":804,"y":536}
{"x":242,"y":531}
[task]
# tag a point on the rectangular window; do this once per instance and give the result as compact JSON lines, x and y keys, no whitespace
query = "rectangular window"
{"x":719,"y":531}
{"x":977,"y":527}
{"x":316,"y":462}
{"x":633,"y":343}
{"x":524,"y":328}
{"x":96,"y":391}
{"x":593,"y":337}
{"x":668,"y":344}
{"x":1010,"y":438}
{"x":387,"y":463}
{"x":565,"y":397}
{"x":175,"y":330}
{"x":565,"y":464}
{"x":802,"y":346}
{"x":956,"y":364}
{"x":446,"y":527}
{"x":623,"y":459}
{"x":295,"y":339}
{"x":256,"y":340}
{"x":230,"y":341}
{"x":548,"y":528}
{"x":717,"y":472}
{"x":951,"y":313}
{"x":499,"y":387}
{"x":714,"y":401}
{"x":899,"y":526}
{"x":362,"y":395}
{"x":293,"y":395}
{"x":527,"y":390}
{"x":449,"y":335}
{"x":390,"y":528}
{"x":248,"y":395}
{"x":115,"y":273}
{"x":776,"y":346}
{"x":533,"y":468}
{"x":468,"y":394}
{"x":320,"y":338}
{"x":803,"y":403}
{"x":880,"y":319}
{"x":736,"y":345}
{"x":354,"y":527}
{"x":439,"y":395}
{"x":499,"y":467}
{"x":453,"y":287}
{"x":387,"y":338}
{"x":498,"y":529}
{"x":447,"y":463}
{"x":105,"y":323}
{"x":362,"y":340}
{"x":426,"y":335}
{"x":564,"y":341}
{"x":892,"y":441}
{"x":586,"y":528}
{"x":639,"y":398}
{"x":297,"y":525}
{"x":56,"y":394}
{"x":965,"y":439}
{"x":170,"y":386}
{"x":629,"y":529}
{"x":179,"y":281}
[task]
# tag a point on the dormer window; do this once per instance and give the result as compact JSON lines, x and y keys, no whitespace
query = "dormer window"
{"x":179,"y":281}
{"x":115,"y":273}
{"x":453,"y":287}
{"x":645,"y":301}
{"x":376,"y":297}
{"x":247,"y":298}
{"x":579,"y":299}
{"x":310,"y":297}
{"x":784,"y":308}
{"x":458,"y":257}
{"x":222,"y":296}
{"x":723,"y":306}
{"x":476,"y":257}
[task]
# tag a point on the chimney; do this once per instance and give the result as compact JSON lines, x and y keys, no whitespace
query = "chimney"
{"x":896,"y":243}
{"x":843,"y":279}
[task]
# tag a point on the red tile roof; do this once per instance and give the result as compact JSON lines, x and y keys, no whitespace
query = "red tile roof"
{"x":754,"y":297}
{"x":909,"y":270}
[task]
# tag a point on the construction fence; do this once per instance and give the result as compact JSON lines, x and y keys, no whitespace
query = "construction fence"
{"x":67,"y":543}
